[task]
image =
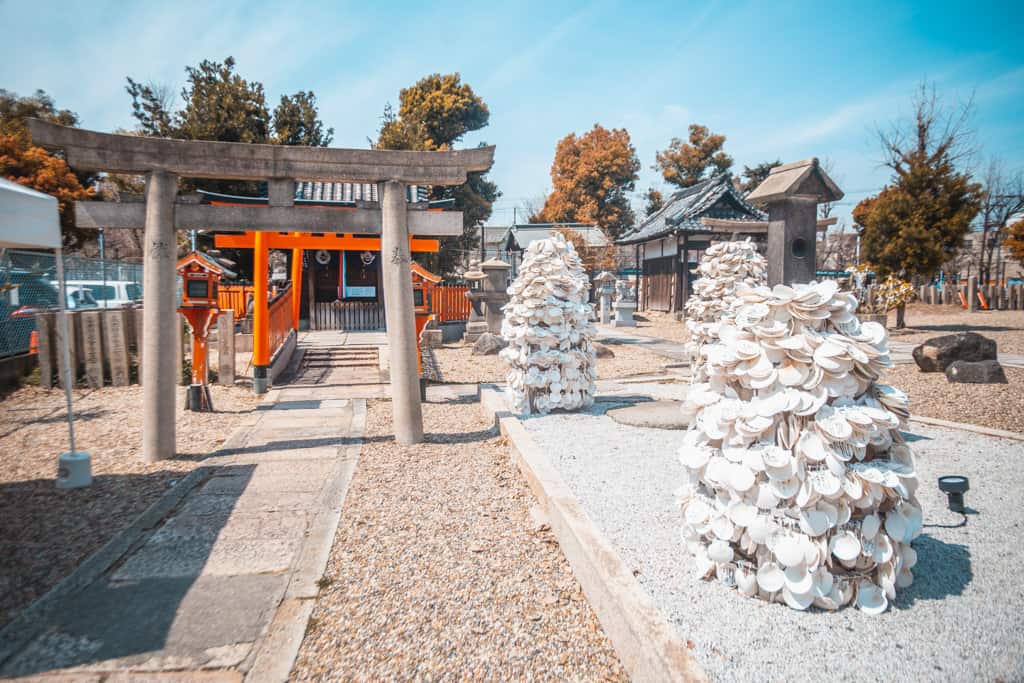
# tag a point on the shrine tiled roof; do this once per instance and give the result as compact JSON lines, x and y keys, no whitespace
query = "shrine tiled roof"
{"x":715,"y":197}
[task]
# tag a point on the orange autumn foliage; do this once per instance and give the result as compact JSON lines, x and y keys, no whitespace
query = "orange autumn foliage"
{"x":592,"y":175}
{"x":34,"y":167}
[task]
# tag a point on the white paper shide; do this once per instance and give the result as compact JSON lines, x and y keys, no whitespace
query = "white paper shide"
{"x":801,"y":489}
{"x":548,"y":328}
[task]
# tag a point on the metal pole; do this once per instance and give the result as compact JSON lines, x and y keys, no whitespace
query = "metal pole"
{"x":68,"y":375}
{"x":103,"y":267}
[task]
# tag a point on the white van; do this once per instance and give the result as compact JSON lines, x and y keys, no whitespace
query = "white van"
{"x":109,"y":293}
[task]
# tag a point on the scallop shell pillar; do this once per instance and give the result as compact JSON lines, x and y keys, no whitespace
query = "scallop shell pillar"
{"x":800,"y":487}
{"x":549,"y":331}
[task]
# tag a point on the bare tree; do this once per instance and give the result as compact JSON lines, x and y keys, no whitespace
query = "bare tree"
{"x":936,"y":131}
{"x":1002,"y":199}
{"x":835,"y":250}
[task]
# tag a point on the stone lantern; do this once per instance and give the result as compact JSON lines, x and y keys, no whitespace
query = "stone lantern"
{"x":624,"y":306}
{"x":476,"y":324}
{"x":791,"y":193}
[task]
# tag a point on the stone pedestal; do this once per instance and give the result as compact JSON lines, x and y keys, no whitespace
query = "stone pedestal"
{"x":624,"y":311}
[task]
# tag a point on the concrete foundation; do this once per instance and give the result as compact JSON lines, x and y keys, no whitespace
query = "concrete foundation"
{"x":401,"y":322}
{"x":159,"y":358}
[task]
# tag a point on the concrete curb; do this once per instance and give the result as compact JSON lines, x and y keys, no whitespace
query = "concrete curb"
{"x":26,"y":625}
{"x":275,"y":655}
{"x":647,"y":644}
{"x":963,"y":426}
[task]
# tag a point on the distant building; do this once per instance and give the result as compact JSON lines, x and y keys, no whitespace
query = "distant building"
{"x":668,"y":243}
{"x":519,"y":238}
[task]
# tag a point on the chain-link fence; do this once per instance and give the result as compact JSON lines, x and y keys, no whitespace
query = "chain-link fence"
{"x":28,"y":285}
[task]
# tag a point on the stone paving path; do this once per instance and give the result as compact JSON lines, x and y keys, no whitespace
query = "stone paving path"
{"x":218,"y":580}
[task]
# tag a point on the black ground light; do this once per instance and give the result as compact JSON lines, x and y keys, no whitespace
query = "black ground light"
{"x":955,"y":486}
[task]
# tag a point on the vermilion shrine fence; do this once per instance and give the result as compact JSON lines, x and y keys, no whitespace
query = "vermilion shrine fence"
{"x":235,"y":297}
{"x":450,"y":303}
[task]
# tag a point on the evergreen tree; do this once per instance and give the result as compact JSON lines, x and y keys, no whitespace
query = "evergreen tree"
{"x":686,"y":163}
{"x":434,"y":114}
{"x":918,"y":221}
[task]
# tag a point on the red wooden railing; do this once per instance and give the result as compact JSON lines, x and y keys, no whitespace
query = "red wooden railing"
{"x":235,"y":297}
{"x":450,"y":303}
{"x":280,"y":319}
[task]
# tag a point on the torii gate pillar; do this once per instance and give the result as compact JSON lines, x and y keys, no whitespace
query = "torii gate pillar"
{"x":398,"y":310}
{"x":159,"y":357}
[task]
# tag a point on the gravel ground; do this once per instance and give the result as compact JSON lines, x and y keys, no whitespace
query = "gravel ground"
{"x":1000,"y":406}
{"x":438,"y":573}
{"x":45,"y":533}
{"x":458,"y":364}
{"x":661,"y":325}
{"x":960,"y":620}
{"x":925,"y":321}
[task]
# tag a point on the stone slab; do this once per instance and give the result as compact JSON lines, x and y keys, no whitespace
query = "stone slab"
{"x":187,"y":623}
{"x":175,"y":557}
{"x":238,"y":526}
{"x":92,"y":348}
{"x":115,"y":333}
{"x":653,"y":414}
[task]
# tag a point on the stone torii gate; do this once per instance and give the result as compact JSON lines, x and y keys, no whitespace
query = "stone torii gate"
{"x":162,"y":161}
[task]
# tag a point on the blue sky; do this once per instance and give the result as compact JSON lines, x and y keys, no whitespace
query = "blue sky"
{"x":783,"y":80}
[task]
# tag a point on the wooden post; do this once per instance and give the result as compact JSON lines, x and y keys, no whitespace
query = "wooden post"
{"x":72,"y":351}
{"x":116,"y":333}
{"x":226,"y":348}
{"x":46,"y":335}
{"x":92,"y":348}
{"x":139,"y":316}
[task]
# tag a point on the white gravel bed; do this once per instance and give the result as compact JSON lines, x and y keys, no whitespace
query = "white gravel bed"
{"x":961,"y":620}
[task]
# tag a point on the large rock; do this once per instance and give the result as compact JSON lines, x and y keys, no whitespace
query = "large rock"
{"x":936,"y":354}
{"x":976,"y":372}
{"x":653,"y":415}
{"x":488,"y":344}
{"x":602,"y":351}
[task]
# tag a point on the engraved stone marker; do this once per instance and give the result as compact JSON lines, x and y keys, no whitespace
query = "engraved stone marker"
{"x":226,"y":348}
{"x":114,"y":329}
{"x":72,"y":347}
{"x":92,"y":348}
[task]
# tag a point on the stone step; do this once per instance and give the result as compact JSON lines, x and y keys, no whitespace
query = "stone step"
{"x":341,"y":365}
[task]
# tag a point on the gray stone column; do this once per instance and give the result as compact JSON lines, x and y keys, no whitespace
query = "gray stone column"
{"x":398,"y":307}
{"x":160,"y":357}
{"x":792,"y":240}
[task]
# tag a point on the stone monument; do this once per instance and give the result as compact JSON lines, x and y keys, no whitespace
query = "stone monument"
{"x":604,"y":282}
{"x":624,"y":306}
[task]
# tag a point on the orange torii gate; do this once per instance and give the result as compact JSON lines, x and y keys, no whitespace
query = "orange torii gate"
{"x":297,"y":242}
